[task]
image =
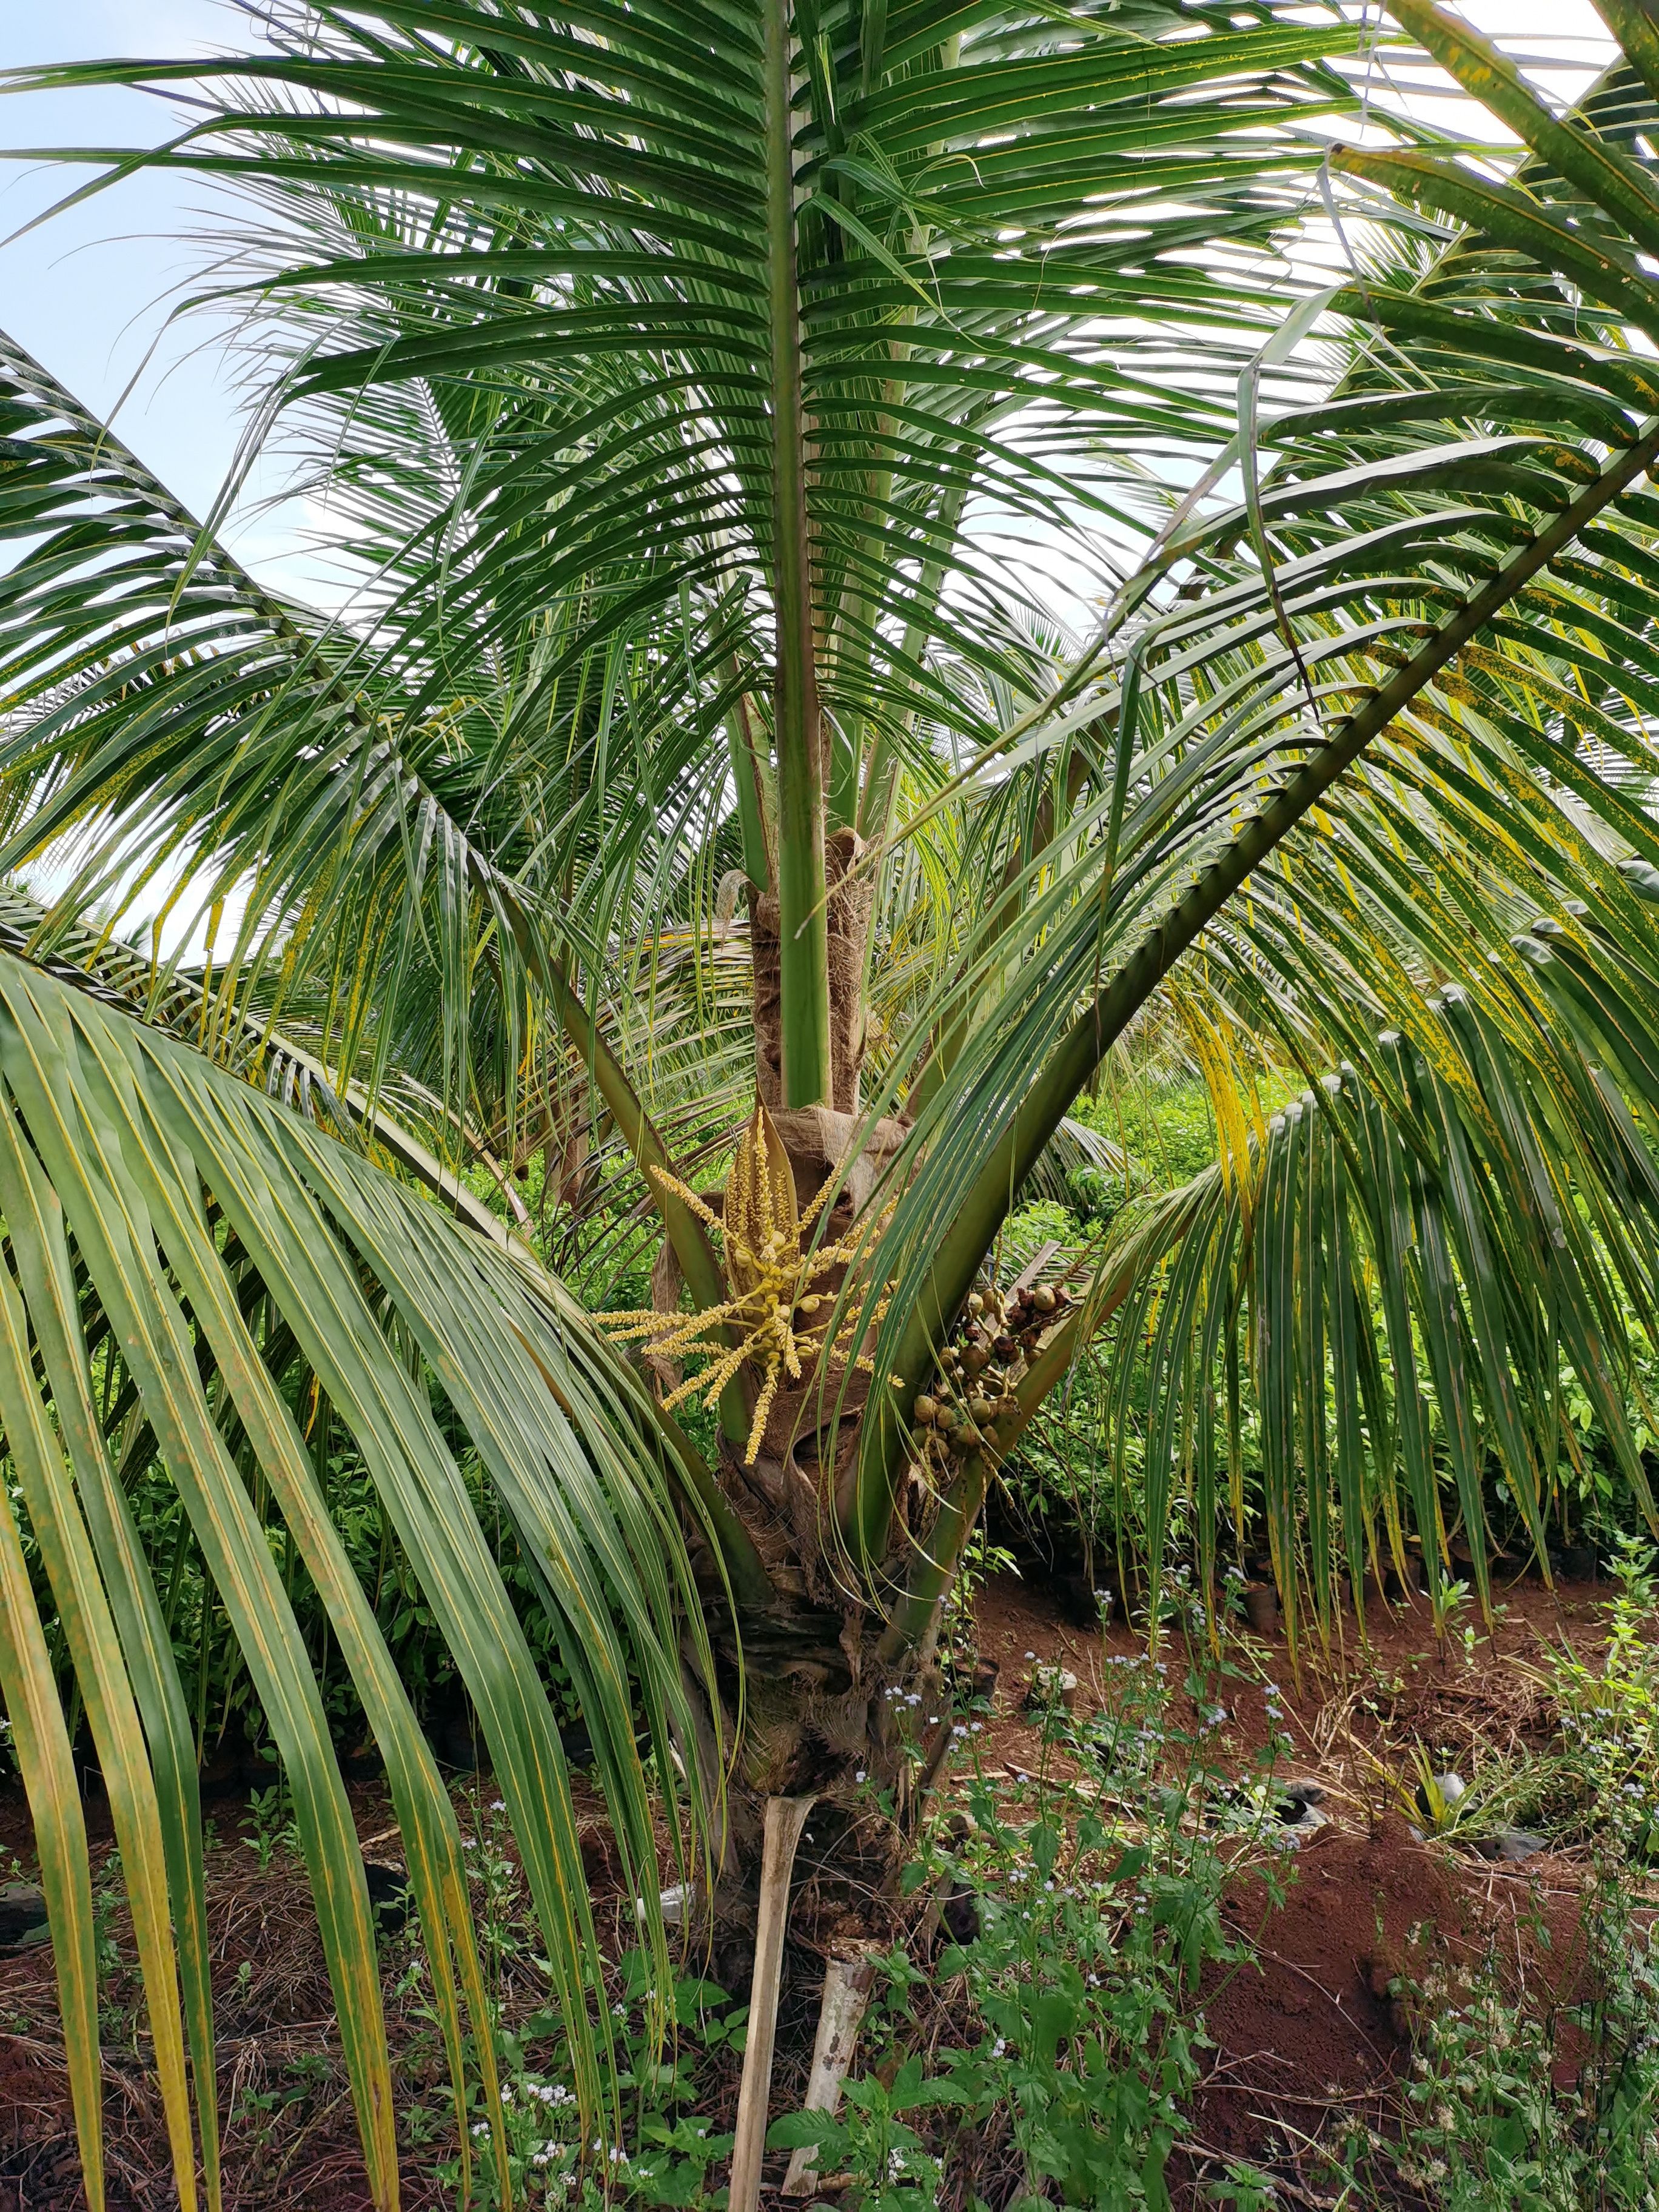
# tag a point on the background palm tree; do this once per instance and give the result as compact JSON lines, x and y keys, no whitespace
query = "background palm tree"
{"x":722,"y":402}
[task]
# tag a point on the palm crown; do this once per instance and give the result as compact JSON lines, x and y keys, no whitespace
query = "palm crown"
{"x":709,"y":390}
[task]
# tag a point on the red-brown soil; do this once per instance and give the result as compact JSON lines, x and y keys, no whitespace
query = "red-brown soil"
{"x":1307,"y":2034}
{"x":290,"y":2140}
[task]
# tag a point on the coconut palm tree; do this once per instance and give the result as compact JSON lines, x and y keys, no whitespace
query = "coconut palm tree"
{"x":878,"y":571}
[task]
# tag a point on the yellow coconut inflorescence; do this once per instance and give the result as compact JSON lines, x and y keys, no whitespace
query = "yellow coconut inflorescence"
{"x":773,"y":1320}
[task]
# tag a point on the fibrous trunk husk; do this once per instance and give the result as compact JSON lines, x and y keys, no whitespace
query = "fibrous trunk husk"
{"x":819,"y":1140}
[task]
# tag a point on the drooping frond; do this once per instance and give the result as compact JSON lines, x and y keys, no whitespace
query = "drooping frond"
{"x":1354,"y":728}
{"x":195,"y":1271}
{"x":1404,"y":1272}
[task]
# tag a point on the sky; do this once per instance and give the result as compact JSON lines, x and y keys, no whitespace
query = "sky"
{"x":88,"y":291}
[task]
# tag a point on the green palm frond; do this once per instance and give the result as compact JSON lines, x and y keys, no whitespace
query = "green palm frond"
{"x":1426,"y":598}
{"x":197,"y":1268}
{"x":514,"y":284}
{"x":1405,"y":1265}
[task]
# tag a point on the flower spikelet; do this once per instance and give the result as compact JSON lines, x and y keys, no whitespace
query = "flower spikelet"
{"x":769,"y":1319}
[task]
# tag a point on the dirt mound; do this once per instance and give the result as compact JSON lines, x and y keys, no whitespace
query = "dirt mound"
{"x":1310,"y":2030}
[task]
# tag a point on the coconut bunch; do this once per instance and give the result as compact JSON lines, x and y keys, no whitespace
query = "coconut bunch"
{"x":971,"y":1405}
